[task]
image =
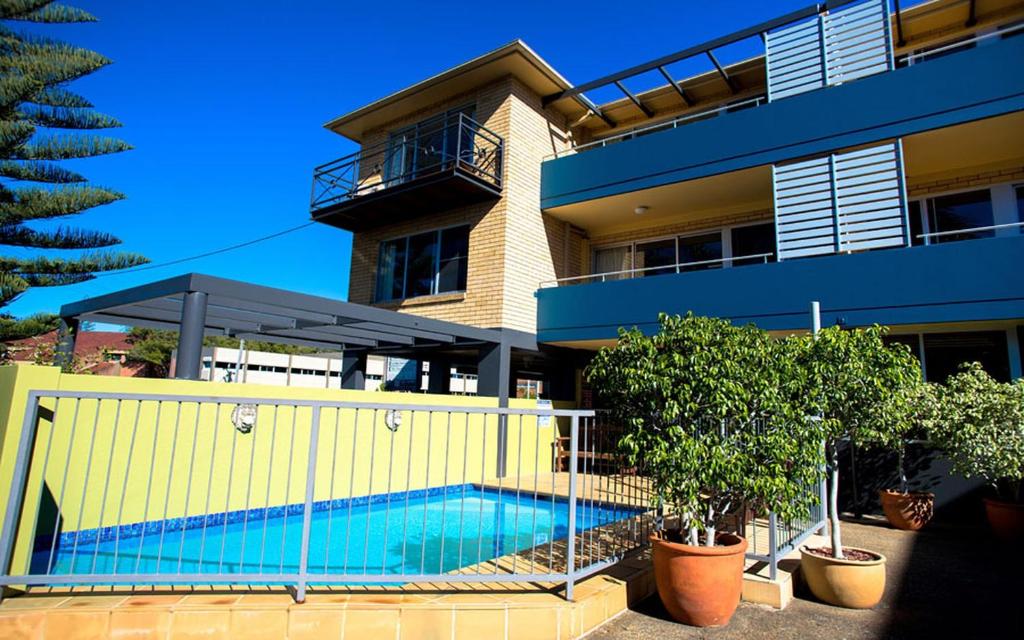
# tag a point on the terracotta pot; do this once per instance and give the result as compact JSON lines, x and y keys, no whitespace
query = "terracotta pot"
{"x":1006,"y":519}
{"x":854,"y":584}
{"x":908,"y":511}
{"x":700,"y":585}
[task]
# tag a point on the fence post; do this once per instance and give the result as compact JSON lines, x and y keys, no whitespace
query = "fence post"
{"x":8,"y":534}
{"x":570,"y":556}
{"x":307,"y":510}
{"x":773,"y":547}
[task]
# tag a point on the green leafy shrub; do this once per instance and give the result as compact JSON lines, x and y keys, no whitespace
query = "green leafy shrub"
{"x":980,"y":427}
{"x":711,"y":412}
{"x":862,"y":391}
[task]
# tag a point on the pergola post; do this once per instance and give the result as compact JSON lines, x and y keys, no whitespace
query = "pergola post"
{"x":353,"y":370}
{"x":67,"y":333}
{"x":190,"y":336}
{"x":494,"y":375}
{"x":440,"y":378}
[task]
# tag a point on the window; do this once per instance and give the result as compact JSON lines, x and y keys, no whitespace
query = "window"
{"x":423,"y":264}
{"x":651,"y":255}
{"x":701,"y":248}
{"x":944,"y":352}
{"x":957,"y":211}
{"x":753,"y":240}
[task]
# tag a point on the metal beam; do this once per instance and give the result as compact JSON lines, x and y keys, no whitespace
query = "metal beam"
{"x":319,"y":336}
{"x":354,"y":332}
{"x":725,"y":76}
{"x":173,"y":305}
{"x":596,"y":110}
{"x":689,"y":52}
{"x":314,"y":344}
{"x":634,"y":99}
{"x":675,"y":85}
{"x":414,"y":333}
{"x":138,"y":311}
{"x":353,"y":371}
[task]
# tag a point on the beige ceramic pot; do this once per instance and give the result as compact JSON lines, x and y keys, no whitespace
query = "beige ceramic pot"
{"x":854,"y":584}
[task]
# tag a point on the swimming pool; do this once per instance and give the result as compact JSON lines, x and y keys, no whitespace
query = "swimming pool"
{"x":409,"y":533}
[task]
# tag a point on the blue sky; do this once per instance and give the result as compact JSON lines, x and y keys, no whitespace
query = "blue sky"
{"x":225,"y":101}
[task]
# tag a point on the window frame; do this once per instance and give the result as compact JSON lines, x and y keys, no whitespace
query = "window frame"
{"x":435,"y":281}
{"x":924,"y":208}
{"x":726,"y":239}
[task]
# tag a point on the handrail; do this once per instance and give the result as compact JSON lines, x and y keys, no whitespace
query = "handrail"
{"x":668,"y":124}
{"x":927,"y":52}
{"x":957,"y":232}
{"x":604,"y":276}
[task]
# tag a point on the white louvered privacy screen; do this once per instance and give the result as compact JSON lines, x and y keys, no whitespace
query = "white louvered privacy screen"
{"x":831,"y":48}
{"x":848,"y":201}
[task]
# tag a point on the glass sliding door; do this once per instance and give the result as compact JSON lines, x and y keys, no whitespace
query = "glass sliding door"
{"x":699,"y":252}
{"x":656,"y":258}
{"x":753,"y":240}
{"x":957,"y":211}
{"x":612,"y":260}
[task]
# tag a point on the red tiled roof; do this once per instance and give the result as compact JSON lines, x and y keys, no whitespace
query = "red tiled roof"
{"x":86,"y":344}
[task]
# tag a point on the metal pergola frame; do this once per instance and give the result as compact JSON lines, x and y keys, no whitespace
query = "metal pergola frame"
{"x":197,"y":305}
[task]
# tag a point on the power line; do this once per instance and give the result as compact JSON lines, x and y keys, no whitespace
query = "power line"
{"x":207,"y":254}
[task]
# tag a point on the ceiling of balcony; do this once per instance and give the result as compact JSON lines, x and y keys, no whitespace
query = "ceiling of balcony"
{"x":942,"y":153}
{"x":730,"y":193}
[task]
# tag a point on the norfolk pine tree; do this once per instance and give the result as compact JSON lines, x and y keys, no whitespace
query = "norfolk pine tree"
{"x":41,"y":123}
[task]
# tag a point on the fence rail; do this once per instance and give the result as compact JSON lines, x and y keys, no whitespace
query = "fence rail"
{"x":138,"y":489}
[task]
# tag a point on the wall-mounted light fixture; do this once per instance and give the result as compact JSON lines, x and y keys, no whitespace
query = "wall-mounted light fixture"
{"x":641,"y":209}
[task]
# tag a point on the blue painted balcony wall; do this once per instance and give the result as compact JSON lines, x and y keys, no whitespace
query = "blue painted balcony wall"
{"x":956,"y":88}
{"x":952,"y":282}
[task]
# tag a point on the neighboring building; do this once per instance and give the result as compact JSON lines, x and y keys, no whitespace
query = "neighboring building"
{"x":99,"y":352}
{"x":322,"y":370}
{"x":871,"y":161}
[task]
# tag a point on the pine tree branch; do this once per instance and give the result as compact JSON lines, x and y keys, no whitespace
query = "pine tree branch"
{"x":37,"y":171}
{"x":51,"y":13}
{"x":41,"y":268}
{"x":15,"y":9}
{"x":67,"y":146}
{"x":15,"y":89}
{"x":11,"y":286}
{"x":49,"y":61}
{"x":64,"y":118}
{"x":63,"y":238}
{"x":60,"y":97}
{"x":36,"y":203}
{"x":14,"y":135}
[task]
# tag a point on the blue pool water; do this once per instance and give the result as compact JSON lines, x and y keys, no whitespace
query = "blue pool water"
{"x":414,"y":533}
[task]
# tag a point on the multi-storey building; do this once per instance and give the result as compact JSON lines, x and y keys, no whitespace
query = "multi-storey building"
{"x":869,"y":159}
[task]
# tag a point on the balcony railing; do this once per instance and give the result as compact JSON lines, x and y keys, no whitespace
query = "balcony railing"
{"x":932,"y":238}
{"x":457,"y":144}
{"x":680,"y":267}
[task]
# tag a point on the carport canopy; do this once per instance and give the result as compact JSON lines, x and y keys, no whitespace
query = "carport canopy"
{"x":198,"y":305}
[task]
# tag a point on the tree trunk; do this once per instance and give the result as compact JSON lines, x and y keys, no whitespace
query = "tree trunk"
{"x":833,"y":503}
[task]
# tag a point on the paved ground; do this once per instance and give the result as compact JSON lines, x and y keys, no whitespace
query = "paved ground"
{"x":944,"y":582}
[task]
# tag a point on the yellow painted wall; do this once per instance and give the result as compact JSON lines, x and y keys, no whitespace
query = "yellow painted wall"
{"x":136,"y":468}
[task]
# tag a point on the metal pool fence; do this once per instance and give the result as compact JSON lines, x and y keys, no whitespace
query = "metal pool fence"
{"x":140,"y":489}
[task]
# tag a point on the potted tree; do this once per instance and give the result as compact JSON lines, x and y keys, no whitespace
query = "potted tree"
{"x":707,"y":408}
{"x":980,"y":427}
{"x":861,"y":390}
{"x":903,"y":508}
